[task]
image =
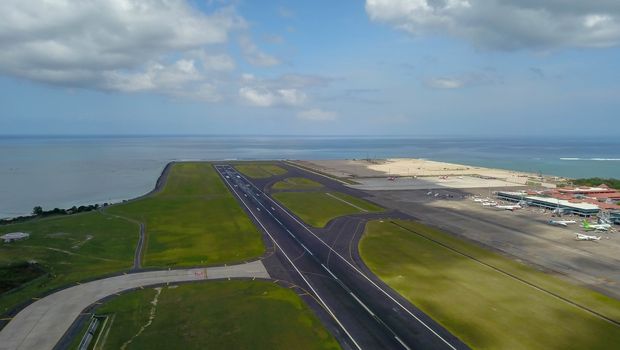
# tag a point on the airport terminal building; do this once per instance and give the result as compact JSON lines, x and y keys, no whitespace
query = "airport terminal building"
{"x":581,"y":209}
{"x":582,"y":201}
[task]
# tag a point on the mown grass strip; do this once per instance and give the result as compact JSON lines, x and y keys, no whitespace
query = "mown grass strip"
{"x":487,"y":300}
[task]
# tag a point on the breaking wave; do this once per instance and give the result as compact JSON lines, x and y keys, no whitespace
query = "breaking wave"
{"x":594,"y":159}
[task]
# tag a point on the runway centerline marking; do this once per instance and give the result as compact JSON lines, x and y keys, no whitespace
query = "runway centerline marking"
{"x":356,"y":269}
{"x":295,"y":267}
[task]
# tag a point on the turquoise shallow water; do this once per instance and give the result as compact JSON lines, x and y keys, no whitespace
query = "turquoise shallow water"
{"x":66,"y":171}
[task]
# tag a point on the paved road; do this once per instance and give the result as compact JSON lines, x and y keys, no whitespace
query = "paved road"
{"x":362,"y":311}
{"x":42,"y":324}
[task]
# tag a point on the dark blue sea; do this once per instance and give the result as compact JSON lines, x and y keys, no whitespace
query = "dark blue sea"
{"x":66,"y":171}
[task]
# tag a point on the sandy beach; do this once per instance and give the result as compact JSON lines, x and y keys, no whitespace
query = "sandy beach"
{"x":356,"y":169}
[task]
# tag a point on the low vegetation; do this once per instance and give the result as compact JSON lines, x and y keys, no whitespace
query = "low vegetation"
{"x":596,"y":181}
{"x":39,"y":212}
{"x":194,"y":220}
{"x":259,"y":170}
{"x":296,"y":183}
{"x":14,"y":275}
{"x":318,"y":208}
{"x":214,"y":315}
{"x":65,"y":249}
{"x":486,"y":300}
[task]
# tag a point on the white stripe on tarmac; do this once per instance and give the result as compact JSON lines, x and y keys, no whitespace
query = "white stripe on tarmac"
{"x":347,"y":202}
{"x":364,"y":306}
{"x":331,"y":313}
{"x":362,"y":274}
{"x":329,"y":271}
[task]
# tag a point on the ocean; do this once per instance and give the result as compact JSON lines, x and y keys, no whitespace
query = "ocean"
{"x":65,"y":171}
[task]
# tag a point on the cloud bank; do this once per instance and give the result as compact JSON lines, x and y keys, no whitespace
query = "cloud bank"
{"x":121,"y":45}
{"x":506,"y":24}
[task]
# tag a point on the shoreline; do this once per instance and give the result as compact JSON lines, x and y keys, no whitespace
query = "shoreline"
{"x":159,"y":184}
{"x":376,"y":164}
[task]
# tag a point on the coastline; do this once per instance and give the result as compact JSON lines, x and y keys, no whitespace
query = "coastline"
{"x":65,"y":171}
{"x":360,"y":168}
{"x":159,"y":184}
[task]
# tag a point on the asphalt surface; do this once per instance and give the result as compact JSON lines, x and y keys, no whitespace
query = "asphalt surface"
{"x":360,"y":310}
{"x":43,"y":323}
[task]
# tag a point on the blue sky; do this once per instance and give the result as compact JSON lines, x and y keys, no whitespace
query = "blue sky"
{"x":402,"y":67}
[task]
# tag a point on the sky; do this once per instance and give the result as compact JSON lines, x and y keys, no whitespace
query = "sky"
{"x":347,"y":67}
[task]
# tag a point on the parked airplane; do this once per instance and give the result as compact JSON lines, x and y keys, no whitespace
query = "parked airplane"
{"x":582,"y":237}
{"x":595,"y":227}
{"x":489,"y":204}
{"x":508,"y":207}
{"x":564,"y":223}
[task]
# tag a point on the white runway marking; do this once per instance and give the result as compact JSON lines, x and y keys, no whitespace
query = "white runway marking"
{"x":349,"y":203}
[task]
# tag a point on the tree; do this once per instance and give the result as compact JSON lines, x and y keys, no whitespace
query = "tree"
{"x":38,"y":210}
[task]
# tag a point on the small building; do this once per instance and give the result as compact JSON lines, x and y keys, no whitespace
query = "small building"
{"x":14,"y":236}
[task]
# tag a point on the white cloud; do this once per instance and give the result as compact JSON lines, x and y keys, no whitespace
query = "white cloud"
{"x":180,"y":79}
{"x":257,"y":97}
{"x":265,"y":97}
{"x":445,"y":83}
{"x":203,"y":92}
{"x":155,"y":76}
{"x":254,"y":55}
{"x":464,"y":80}
{"x":123,"y":45}
{"x":507,"y":24}
{"x":217,"y":62}
{"x":285,"y":90}
{"x":292,"y":97}
{"x":317,"y":114}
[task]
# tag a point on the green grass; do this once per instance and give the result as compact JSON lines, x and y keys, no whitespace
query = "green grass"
{"x":318,"y":208}
{"x":485,"y":308}
{"x":194,"y":220}
{"x":260,"y":171}
{"x":296,"y":183}
{"x":14,"y":275}
{"x":69,"y":249}
{"x":215,"y":315}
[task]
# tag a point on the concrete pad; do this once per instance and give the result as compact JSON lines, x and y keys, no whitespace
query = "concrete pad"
{"x":42,"y":324}
{"x":429,"y":183}
{"x":253,"y":269}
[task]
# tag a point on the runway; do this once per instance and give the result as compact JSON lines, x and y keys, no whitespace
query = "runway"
{"x":361,"y":311}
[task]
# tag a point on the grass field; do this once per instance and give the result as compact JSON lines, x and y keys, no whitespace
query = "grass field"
{"x":194,"y":220}
{"x":68,"y":249}
{"x":214,"y":315}
{"x":484,"y":307}
{"x":318,"y":208}
{"x":260,"y":171}
{"x":296,"y":183}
